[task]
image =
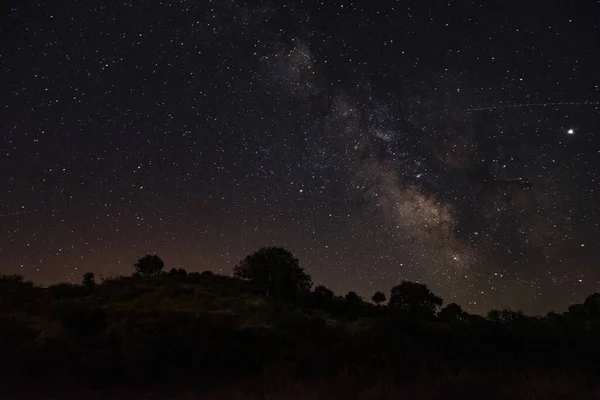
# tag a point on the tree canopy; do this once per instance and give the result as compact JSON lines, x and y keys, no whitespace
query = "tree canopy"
{"x":275,"y":272}
{"x":324,"y":292}
{"x":89,"y":280}
{"x":129,"y":326}
{"x":452,"y":313}
{"x":149,"y":265}
{"x":378,"y":298}
{"x":353,"y":297}
{"x":414,"y":298}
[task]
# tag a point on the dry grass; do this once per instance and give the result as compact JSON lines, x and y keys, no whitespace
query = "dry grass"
{"x":526,"y":386}
{"x":463,"y":387}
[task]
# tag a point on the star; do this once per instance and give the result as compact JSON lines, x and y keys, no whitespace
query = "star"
{"x":162,"y":140}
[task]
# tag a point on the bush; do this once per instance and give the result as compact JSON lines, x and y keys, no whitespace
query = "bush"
{"x":62,"y":291}
{"x":80,"y":319}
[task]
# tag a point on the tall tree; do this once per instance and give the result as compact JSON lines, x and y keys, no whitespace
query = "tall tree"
{"x":149,"y":265}
{"x":378,"y":298}
{"x":592,"y":306}
{"x":275,"y":272}
{"x":177,"y":272}
{"x":353,"y":297}
{"x":89,"y":280}
{"x":324,"y":292}
{"x":452,"y":313}
{"x":415,"y":299}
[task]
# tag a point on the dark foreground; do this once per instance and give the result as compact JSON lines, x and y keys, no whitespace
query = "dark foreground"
{"x":527,"y":386}
{"x":207,"y":336}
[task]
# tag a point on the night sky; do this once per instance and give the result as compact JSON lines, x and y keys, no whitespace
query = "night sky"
{"x":452,"y":143}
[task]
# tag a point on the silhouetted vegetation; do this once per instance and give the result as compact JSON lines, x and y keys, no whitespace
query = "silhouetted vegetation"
{"x":274,"y":272}
{"x":353,"y":297}
{"x":210,"y":329}
{"x":414,"y":299}
{"x":149,"y":265}
{"x":378,"y":298}
{"x":89,"y":280}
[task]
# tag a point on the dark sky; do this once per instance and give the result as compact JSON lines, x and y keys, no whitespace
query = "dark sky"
{"x":452,"y":143}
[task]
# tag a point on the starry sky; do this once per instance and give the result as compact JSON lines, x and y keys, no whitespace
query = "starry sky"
{"x":455,"y":143}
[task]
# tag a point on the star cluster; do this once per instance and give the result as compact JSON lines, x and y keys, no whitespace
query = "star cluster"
{"x":453,"y":143}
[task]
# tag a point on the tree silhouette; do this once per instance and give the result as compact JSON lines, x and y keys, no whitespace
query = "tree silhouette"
{"x":149,"y":265}
{"x":592,"y":306}
{"x":494,"y":316}
{"x":378,"y":298}
{"x":504,"y":316}
{"x":321,"y":297}
{"x":353,"y":297}
{"x":415,"y":299}
{"x":177,"y":272}
{"x":578,"y":312}
{"x":508,"y":315}
{"x":274,"y":272}
{"x":11,"y":278}
{"x":323,"y":292}
{"x":89,"y":280}
{"x":452,"y":313}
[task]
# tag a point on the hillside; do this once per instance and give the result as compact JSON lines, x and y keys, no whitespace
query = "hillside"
{"x":215,"y":333}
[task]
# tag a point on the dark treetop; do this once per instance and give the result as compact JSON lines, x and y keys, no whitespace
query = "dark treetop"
{"x":451,"y":143}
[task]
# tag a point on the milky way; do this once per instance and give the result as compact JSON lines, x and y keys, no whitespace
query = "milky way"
{"x":454,"y":144}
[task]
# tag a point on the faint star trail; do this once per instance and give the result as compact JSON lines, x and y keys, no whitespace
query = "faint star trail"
{"x":528,"y":105}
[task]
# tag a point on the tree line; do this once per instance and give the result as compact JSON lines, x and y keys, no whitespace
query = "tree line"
{"x":275,"y":273}
{"x":204,"y":327}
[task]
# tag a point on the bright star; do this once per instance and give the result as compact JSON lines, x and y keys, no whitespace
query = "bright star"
{"x":570,"y":131}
